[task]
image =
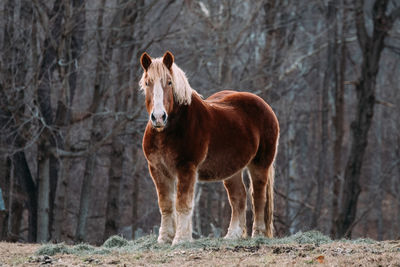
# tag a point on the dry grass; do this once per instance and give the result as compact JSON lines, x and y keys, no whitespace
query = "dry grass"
{"x":301,"y":249}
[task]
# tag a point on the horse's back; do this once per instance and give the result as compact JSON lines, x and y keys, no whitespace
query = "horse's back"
{"x":249,"y":108}
{"x":241,"y":102}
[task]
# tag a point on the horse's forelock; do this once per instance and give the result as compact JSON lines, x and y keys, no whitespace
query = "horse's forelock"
{"x":157,"y":70}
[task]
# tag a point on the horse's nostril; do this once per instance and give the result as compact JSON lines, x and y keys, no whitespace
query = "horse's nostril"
{"x":152,"y":117}
{"x":164,"y":116}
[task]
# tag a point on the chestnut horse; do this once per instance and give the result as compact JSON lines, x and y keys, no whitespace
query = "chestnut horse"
{"x":188,"y":138}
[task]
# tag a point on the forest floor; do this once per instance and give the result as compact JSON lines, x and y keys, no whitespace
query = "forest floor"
{"x":301,"y":249}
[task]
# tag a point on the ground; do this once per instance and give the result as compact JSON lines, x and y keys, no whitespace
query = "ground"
{"x":302,"y":249}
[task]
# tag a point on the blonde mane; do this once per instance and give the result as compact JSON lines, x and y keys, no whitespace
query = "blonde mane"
{"x":181,"y":87}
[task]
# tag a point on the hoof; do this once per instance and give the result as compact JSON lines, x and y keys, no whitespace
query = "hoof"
{"x":164,"y":240}
{"x":235,"y":234}
{"x":178,"y":241}
{"x":258,"y":233}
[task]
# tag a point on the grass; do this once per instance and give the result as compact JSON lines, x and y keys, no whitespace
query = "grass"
{"x":302,"y":249}
{"x":119,"y":245}
{"x":80,"y":249}
{"x":115,"y":242}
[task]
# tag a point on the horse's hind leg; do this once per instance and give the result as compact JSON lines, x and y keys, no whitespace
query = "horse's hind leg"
{"x":237,"y":199}
{"x":262,"y":199}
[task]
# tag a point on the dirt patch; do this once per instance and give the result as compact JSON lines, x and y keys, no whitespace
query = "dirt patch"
{"x":301,"y":249}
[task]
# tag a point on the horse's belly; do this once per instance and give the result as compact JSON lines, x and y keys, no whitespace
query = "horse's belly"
{"x":216,"y":168}
{"x":230,"y":149}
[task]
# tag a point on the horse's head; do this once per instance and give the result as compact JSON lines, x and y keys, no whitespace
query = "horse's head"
{"x":165,"y":85}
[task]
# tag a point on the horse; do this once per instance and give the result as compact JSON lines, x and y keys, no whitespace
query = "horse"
{"x":189,"y":139}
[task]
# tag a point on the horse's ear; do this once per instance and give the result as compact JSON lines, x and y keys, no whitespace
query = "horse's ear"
{"x":168,"y":59}
{"x":145,"y":60}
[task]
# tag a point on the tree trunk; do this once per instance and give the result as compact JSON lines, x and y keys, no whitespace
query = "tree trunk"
{"x":15,"y":215}
{"x":61,"y":201}
{"x":126,"y":23}
{"x":43,"y":184}
{"x":47,"y":164}
{"x":329,"y":84}
{"x":76,"y":17}
{"x":16,"y":208}
{"x":377,"y":171}
{"x":292,"y":208}
{"x":113,"y":193}
{"x":207,"y":212}
{"x":5,"y":169}
{"x":372,"y":48}
{"x":396,"y":184}
{"x":23,"y":174}
{"x":338,"y":122}
{"x":85,"y":198}
{"x":135,"y":198}
{"x":97,"y":131}
{"x":12,"y":109}
{"x":197,"y":216}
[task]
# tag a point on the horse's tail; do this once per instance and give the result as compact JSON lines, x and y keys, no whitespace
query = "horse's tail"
{"x":269,"y":207}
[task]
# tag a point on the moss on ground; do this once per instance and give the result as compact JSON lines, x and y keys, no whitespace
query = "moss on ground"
{"x":79,"y":249}
{"x":119,"y":245}
{"x":52,"y":249}
{"x":115,"y":241}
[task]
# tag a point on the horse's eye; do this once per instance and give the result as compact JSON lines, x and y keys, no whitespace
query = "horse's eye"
{"x":169,"y":83}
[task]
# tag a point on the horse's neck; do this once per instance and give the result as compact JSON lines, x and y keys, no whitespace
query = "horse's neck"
{"x":187,"y":114}
{"x":197,"y":103}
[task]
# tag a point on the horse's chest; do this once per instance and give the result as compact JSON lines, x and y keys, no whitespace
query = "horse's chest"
{"x":158,"y":153}
{"x":161,"y":157}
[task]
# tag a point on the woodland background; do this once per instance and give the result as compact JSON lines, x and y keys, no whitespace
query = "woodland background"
{"x":72,"y":117}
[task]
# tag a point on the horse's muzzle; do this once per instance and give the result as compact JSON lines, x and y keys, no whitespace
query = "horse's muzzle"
{"x":159,"y":122}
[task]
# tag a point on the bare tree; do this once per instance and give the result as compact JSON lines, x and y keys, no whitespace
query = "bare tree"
{"x":72,"y":41}
{"x":329,"y":85}
{"x":338,"y":124}
{"x":372,"y":47}
{"x":127,"y":16}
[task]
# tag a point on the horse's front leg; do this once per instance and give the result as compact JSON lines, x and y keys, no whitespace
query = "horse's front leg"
{"x":165,"y":185}
{"x":184,"y":204}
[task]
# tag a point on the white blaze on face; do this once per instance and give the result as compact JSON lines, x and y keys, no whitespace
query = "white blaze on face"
{"x":158,"y":101}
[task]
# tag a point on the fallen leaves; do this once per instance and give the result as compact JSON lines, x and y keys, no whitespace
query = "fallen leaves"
{"x":320,"y":259}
